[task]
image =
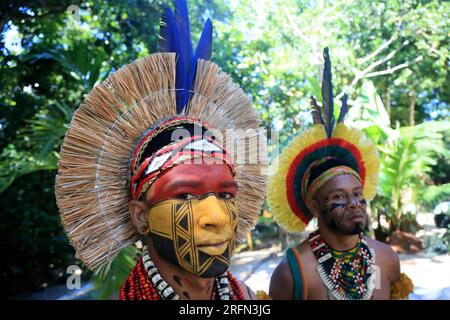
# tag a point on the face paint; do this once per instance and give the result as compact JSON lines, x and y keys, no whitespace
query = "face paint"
{"x":192,"y":179}
{"x":334,"y":219}
{"x":343,"y":209}
{"x":197,"y":234}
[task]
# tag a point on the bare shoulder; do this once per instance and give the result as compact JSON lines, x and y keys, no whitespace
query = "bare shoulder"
{"x":382,"y":249}
{"x":304,"y":250}
{"x":281,"y":285}
{"x":386,"y":258}
{"x":307,"y":257}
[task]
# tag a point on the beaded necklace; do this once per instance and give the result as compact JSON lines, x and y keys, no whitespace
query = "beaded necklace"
{"x":146,"y":283}
{"x":348,"y":275}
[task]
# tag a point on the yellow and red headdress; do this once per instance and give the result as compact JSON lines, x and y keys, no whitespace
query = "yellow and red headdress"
{"x":314,"y":157}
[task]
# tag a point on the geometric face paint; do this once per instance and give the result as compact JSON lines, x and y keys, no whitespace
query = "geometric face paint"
{"x":197,"y":235}
{"x":342,"y":204}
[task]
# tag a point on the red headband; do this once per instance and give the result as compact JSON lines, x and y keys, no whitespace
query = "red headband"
{"x":144,"y":173}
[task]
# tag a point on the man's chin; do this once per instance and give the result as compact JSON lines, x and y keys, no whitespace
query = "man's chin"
{"x":217,"y":268}
{"x":357,"y":229}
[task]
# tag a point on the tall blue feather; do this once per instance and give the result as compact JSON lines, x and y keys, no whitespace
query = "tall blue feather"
{"x":204,"y":46}
{"x":185,"y":54}
{"x":327,"y":95}
{"x":203,"y":51}
{"x":168,"y":33}
{"x":176,"y":37}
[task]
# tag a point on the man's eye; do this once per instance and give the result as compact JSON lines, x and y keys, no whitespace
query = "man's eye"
{"x":225,"y":195}
{"x":337,"y":197}
{"x":185,"y":196}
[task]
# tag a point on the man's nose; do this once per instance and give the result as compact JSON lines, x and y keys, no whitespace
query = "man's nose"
{"x":213,"y":215}
{"x":352,"y":203}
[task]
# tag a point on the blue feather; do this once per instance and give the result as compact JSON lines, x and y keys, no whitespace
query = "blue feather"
{"x":343,"y":109}
{"x":176,"y":37}
{"x":182,"y":20}
{"x":170,"y":42}
{"x":168,"y":33}
{"x":204,"y":46}
{"x":203,"y":51}
{"x":185,"y":54}
{"x":327,"y":95}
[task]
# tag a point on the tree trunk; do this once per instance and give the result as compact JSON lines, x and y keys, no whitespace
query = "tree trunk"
{"x":411,"y":107}
{"x":250,"y":241}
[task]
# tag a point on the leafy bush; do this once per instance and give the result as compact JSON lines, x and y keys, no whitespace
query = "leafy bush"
{"x":436,"y":244}
{"x":35,"y":250}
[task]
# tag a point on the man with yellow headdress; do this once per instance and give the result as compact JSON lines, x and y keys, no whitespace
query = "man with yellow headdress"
{"x":328,"y":173}
{"x":145,"y":159}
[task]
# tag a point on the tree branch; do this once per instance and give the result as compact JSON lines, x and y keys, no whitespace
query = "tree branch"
{"x":379,"y":49}
{"x":361,"y":74}
{"x":392,"y":70}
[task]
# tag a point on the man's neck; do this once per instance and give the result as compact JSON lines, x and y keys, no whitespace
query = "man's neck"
{"x":337,"y":240}
{"x":185,"y":284}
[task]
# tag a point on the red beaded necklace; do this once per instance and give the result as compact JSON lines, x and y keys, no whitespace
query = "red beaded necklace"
{"x":139,"y":287}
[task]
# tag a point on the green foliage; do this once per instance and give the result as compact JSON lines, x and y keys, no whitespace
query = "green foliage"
{"x":81,"y":62}
{"x":436,"y":243}
{"x":108,"y":284}
{"x":34,"y":247}
{"x":407,"y":154}
{"x":271,"y":48}
{"x":433,"y":195}
{"x":47,"y":129}
{"x":406,"y":159}
{"x":14,"y":164}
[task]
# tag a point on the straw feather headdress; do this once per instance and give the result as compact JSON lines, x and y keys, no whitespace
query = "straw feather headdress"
{"x":327,"y":145}
{"x":93,"y":181}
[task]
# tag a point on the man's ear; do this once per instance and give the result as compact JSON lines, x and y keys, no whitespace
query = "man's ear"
{"x":313,"y":207}
{"x":138,"y":214}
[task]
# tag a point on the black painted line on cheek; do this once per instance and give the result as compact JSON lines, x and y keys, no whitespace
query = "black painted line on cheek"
{"x":342,"y":217}
{"x":334,"y":207}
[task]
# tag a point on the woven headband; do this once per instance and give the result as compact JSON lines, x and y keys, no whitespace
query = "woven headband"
{"x":181,"y":151}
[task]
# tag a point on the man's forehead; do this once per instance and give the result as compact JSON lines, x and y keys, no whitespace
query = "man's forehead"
{"x":345,"y":182}
{"x":196,"y":174}
{"x":196,"y":171}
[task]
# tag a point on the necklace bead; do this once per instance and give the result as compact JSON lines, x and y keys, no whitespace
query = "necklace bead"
{"x":146,"y":283}
{"x":347,"y":275}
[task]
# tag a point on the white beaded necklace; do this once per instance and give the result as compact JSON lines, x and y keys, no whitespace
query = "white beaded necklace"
{"x":166,"y":292}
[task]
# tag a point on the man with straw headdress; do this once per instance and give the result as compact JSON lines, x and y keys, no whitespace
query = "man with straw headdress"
{"x":144,"y":159}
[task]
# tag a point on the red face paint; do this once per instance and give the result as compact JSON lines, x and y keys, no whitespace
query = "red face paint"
{"x":193,"y":179}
